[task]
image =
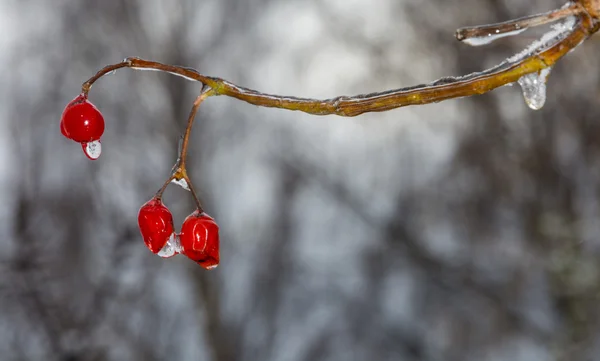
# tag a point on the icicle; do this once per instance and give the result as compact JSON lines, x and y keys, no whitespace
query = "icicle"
{"x":92,"y":149}
{"x":182,"y":183}
{"x":534,"y":88}
{"x":171,"y":248}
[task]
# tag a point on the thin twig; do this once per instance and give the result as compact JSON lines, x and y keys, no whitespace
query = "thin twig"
{"x":515,"y":26}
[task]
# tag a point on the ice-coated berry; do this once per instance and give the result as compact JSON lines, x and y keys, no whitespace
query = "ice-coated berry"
{"x":199,"y":239}
{"x":156,"y":224}
{"x":81,"y":121}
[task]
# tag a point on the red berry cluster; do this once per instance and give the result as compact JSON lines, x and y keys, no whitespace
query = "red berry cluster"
{"x":198,"y":240}
{"x":82,"y":122}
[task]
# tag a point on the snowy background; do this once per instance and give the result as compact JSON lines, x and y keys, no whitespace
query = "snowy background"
{"x":464,"y":230}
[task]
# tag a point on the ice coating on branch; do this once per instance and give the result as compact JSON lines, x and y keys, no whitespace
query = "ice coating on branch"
{"x":92,"y":149}
{"x":170,"y":72}
{"x":171,"y":248}
{"x":558,"y":32}
{"x":533,"y":86}
{"x":501,"y":30}
{"x":182,"y":183}
{"x":484,"y":40}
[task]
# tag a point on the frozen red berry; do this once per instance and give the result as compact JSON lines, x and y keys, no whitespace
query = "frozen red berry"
{"x":199,"y":239}
{"x":156,"y":224}
{"x":81,"y":121}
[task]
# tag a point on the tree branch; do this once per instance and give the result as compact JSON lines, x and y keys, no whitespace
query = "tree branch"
{"x":540,"y":55}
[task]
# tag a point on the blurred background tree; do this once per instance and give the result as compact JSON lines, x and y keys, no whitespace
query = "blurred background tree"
{"x":464,"y":230}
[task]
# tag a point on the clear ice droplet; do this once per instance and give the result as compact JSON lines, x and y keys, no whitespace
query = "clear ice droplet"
{"x":182,"y":183}
{"x":533,"y":86}
{"x":92,"y":149}
{"x":171,"y":248}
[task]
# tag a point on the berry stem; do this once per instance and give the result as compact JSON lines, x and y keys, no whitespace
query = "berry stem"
{"x":179,"y":170}
{"x":204,"y":93}
{"x":85,"y":87}
{"x":160,"y":192}
{"x":194,"y":195}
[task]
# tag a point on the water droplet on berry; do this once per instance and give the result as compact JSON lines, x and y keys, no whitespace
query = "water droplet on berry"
{"x":182,"y":183}
{"x":171,"y":248}
{"x":92,"y":149}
